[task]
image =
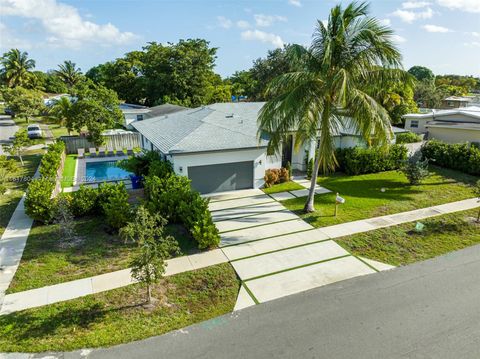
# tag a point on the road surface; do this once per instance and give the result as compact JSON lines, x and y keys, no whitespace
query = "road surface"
{"x":7,"y":130}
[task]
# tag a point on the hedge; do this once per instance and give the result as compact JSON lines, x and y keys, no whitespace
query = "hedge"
{"x":51,"y":160}
{"x":173,"y":197}
{"x":461,"y":157}
{"x":356,"y":160}
{"x":407,"y":137}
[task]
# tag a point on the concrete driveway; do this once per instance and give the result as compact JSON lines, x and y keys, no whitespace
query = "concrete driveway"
{"x":274,"y":252}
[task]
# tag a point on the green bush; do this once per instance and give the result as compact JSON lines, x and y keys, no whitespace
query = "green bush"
{"x":84,"y":201}
{"x":113,"y":200}
{"x":148,"y":163}
{"x":415,"y":169}
{"x":407,"y":137}
{"x":38,"y":202}
{"x":51,"y":160}
{"x":461,"y":157}
{"x":173,"y":198}
{"x":356,"y":160}
{"x":310,"y":168}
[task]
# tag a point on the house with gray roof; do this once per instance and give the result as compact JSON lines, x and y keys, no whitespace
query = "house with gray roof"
{"x":218,"y":148}
{"x":132,"y":112}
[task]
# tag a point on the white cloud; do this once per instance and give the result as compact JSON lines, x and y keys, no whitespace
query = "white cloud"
{"x":411,"y":16}
{"x":464,"y":5}
{"x":267,"y":20}
{"x":325,"y":22}
{"x":472,"y":44}
{"x":415,"y":4}
{"x":64,"y":24}
{"x":224,"y":22}
{"x":398,"y":39}
{"x":262,"y":36}
{"x":435,"y":28}
{"x":476,"y":34}
{"x":385,"y":22}
{"x":9,"y":41}
{"x":242,"y":24}
{"x":295,"y":3}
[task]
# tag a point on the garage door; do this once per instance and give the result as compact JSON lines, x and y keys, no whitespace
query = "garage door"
{"x":222,"y":177}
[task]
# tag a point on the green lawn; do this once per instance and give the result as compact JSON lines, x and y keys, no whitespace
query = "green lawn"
{"x":48,"y":260}
{"x":69,"y":171}
{"x":403,"y":244}
{"x":365,"y":199}
{"x":118,"y":316}
{"x":283,"y":187}
{"x":56,"y":129}
{"x":16,"y":186}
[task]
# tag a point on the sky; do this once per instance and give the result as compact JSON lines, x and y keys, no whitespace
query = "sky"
{"x":443,"y":35}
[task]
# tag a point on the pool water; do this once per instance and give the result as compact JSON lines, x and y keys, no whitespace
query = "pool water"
{"x":105,"y":171}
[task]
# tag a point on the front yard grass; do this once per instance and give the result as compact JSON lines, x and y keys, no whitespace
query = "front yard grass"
{"x":283,"y":187}
{"x":16,"y":186}
{"x":118,"y":316}
{"x":365,"y":199}
{"x":402,"y":244}
{"x":69,"y":171}
{"x":48,"y":260}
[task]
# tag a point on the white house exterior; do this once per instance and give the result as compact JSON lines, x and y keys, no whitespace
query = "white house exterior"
{"x":451,"y":126}
{"x":132,"y":113}
{"x":218,"y":147}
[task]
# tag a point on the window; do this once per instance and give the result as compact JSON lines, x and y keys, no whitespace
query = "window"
{"x":139,"y":117}
{"x":414,"y":124}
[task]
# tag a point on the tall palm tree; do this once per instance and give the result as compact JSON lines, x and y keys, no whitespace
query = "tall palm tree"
{"x":61,"y":112}
{"x":349,"y":60}
{"x":69,"y":73}
{"x":16,"y":67}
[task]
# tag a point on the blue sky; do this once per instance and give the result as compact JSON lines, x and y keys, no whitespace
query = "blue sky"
{"x":443,"y":35}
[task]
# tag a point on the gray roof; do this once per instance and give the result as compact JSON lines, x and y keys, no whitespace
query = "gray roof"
{"x":162,"y":110}
{"x":221,"y":126}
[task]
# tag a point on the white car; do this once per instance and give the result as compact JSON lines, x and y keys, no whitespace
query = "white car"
{"x":34,"y":131}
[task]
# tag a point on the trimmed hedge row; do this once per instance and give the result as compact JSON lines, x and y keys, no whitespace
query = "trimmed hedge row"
{"x":461,"y":157}
{"x":407,"y":137}
{"x":356,"y":160}
{"x":173,"y":198}
{"x":38,"y":201}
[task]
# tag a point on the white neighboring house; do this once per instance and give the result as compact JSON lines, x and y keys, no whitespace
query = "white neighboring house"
{"x":132,"y":113}
{"x":458,"y":125}
{"x":217,"y":146}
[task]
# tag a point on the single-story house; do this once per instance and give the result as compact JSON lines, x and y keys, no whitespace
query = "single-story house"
{"x":453,"y":126}
{"x":132,"y":112}
{"x":456,"y":102}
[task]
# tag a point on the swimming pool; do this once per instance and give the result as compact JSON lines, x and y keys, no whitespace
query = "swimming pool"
{"x":105,"y":171}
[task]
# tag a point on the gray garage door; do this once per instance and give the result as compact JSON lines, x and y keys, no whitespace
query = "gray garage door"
{"x":222,"y":177}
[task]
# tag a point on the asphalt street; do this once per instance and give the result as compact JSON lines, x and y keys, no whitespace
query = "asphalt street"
{"x":7,"y":130}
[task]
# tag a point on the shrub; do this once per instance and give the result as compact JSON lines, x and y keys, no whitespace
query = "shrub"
{"x":149,"y":163}
{"x":407,"y":137}
{"x":283,"y":175}
{"x":38,"y":203}
{"x":461,"y":157}
{"x":84,"y":201}
{"x":310,"y":168}
{"x":114,"y":204}
{"x":415,"y":169}
{"x":271,"y":177}
{"x":51,"y":160}
{"x":356,"y":160}
{"x":63,"y":216}
{"x":289,"y":169}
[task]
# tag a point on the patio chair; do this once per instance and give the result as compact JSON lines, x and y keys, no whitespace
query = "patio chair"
{"x":101,"y":152}
{"x":130,"y":151}
{"x":81,"y":152}
{"x":92,"y":151}
{"x":120,"y":151}
{"x":110,"y":151}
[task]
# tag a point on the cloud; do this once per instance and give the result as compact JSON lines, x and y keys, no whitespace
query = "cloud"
{"x":476,"y":34}
{"x":267,"y":20}
{"x":435,"y":28}
{"x":64,"y":24}
{"x":295,"y":3}
{"x":472,"y":44}
{"x":411,"y":16}
{"x":385,"y":22}
{"x":415,"y":4}
{"x":224,"y":22}
{"x":9,"y":41}
{"x":464,"y":5}
{"x":242,"y":24}
{"x":262,"y":36}
{"x":398,"y":39}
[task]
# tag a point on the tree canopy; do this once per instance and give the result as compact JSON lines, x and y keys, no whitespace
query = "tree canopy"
{"x":422,"y":73}
{"x":17,"y":68}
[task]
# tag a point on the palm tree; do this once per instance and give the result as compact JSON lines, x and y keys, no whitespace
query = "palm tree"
{"x":69,"y":73}
{"x":16,"y":67}
{"x":61,"y":112}
{"x":351,"y":59}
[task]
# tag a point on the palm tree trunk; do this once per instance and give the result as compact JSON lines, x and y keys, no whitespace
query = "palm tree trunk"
{"x":310,"y":205}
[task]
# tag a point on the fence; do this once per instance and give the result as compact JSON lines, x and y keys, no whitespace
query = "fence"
{"x":115,"y":141}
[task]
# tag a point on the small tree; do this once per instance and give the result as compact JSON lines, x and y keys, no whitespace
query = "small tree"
{"x":147,"y":229}
{"x":23,"y":102}
{"x":64,"y":218}
{"x":415,"y":169}
{"x":20,"y":142}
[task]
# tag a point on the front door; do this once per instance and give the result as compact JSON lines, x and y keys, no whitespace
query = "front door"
{"x":287,"y":150}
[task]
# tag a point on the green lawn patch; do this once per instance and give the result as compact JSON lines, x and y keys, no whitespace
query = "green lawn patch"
{"x":283,"y":187}
{"x":17,"y":186}
{"x":69,"y":171}
{"x":403,"y":244}
{"x":118,"y":316}
{"x":48,"y":260}
{"x":365,"y":198}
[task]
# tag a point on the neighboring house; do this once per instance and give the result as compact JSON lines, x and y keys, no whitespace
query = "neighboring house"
{"x":134,"y":113}
{"x":456,"y":102}
{"x":218,"y":148}
{"x":50,"y":99}
{"x":452,"y":126}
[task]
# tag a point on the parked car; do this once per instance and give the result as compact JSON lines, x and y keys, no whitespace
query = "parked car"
{"x":8,"y":111}
{"x":34,"y":131}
